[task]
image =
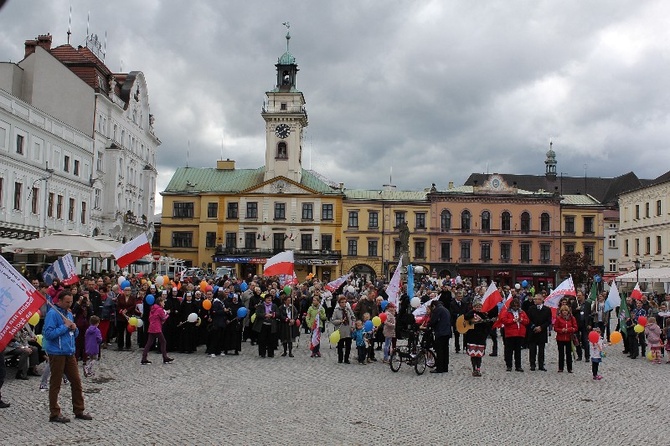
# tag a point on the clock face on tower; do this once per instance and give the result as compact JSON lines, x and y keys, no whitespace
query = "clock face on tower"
{"x":282,"y":131}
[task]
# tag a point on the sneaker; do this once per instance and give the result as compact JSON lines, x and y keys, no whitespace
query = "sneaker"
{"x":212,"y":355}
{"x":599,"y":377}
{"x":43,"y":387}
{"x":168,"y":361}
{"x":145,"y":362}
{"x":4,"y":405}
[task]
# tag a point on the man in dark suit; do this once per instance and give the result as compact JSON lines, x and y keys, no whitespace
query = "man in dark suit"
{"x":540,"y":320}
{"x":582,"y":312}
{"x":456,"y":309}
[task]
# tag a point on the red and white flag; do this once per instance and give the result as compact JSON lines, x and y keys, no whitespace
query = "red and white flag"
{"x":316,"y":331}
{"x":19,"y":300}
{"x":335,"y":284}
{"x":280,"y":264}
{"x":637,"y":292}
{"x":492,"y":297}
{"x":133,"y":250}
{"x":566,"y":288}
{"x":501,"y":313}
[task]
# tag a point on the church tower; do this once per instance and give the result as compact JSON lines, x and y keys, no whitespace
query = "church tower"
{"x":285,"y":118}
{"x":550,"y":163}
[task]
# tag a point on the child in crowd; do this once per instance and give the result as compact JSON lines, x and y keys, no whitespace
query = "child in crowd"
{"x":358,"y":337}
{"x":653,"y":334}
{"x":92,"y":341}
{"x":389,"y":331}
{"x":596,"y":350}
{"x":370,"y":340}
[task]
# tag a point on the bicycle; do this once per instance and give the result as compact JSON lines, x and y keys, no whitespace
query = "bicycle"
{"x":418,"y":353}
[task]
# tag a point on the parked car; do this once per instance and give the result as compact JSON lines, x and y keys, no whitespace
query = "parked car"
{"x":194,"y":274}
{"x":224,"y":271}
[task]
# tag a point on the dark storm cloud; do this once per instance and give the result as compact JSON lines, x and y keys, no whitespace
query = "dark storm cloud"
{"x":434,"y":90}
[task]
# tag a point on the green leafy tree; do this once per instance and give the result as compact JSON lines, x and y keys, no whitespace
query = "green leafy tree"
{"x":577,"y":265}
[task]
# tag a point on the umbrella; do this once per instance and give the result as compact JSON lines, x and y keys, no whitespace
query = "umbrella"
{"x":61,"y":243}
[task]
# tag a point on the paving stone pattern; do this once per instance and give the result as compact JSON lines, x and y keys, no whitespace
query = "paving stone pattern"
{"x":250,"y":400}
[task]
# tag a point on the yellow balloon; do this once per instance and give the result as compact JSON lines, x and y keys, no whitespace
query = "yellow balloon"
{"x":376,"y":321}
{"x":38,"y":338}
{"x":335,"y":337}
{"x":650,"y":356}
{"x":253,"y":318}
{"x":638,"y":328}
{"x":616,"y":337}
{"x":133,"y":321}
{"x":34,"y":319}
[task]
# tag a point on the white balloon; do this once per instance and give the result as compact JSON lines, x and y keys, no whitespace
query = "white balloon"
{"x":517,"y":286}
{"x":415,"y":302}
{"x":121,"y":279}
{"x":140,"y":323}
{"x":192,"y":317}
{"x":159,"y":280}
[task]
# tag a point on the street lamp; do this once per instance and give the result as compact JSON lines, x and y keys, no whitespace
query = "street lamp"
{"x":637,"y":270}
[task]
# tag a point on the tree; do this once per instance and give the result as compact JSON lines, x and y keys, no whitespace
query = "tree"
{"x":577,"y":265}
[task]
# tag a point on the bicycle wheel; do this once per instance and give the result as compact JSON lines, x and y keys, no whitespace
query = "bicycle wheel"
{"x":395,"y":361}
{"x":430,"y":358}
{"x":420,"y":364}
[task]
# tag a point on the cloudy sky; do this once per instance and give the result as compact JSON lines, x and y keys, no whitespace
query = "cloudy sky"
{"x":433,"y":90}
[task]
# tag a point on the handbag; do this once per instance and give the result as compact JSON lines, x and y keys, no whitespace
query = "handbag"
{"x":575,"y":340}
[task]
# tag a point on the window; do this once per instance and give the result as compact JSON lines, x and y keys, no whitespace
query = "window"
{"x":2,"y":190}
{"x":182,"y":239}
{"x":97,"y":196}
{"x":282,"y":106}
{"x":525,"y":252}
{"x":637,"y":246}
{"x":658,"y":208}
{"x":306,"y":242}
{"x":505,"y":252}
{"x":282,"y":152}
{"x":545,"y":253}
{"x":19,"y":144}
{"x":399,"y":218}
{"x":612,"y":266}
{"x":486,"y":222}
{"x":327,"y":212}
{"x":372,"y":248}
{"x":308,"y":211}
{"x":213,"y":210}
{"x":99,"y":163}
{"x":647,"y":245}
{"x":658,"y":244}
{"x":280,"y":211}
{"x":588,"y":225}
{"x":353,"y":219}
{"x":637,"y":212}
{"x":611,"y":242}
{"x":83,"y":213}
{"x":50,"y":205}
{"x":625,"y":248}
{"x":589,"y":251}
{"x":70,"y":210}
{"x":59,"y":207}
{"x":465,"y":251}
{"x":420,"y":250}
{"x":373,"y":219}
{"x":465,"y":221}
{"x":485,"y":249}
{"x":210,"y":239}
{"x":181,"y":209}
{"x":250,"y":240}
{"x":278,"y":239}
{"x":326,"y":242}
{"x":18,"y":187}
{"x":646,"y":210}
{"x":525,"y":222}
{"x":231,"y":240}
{"x":420,"y":220}
{"x":66,"y":163}
{"x":445,"y":221}
{"x":506,"y":222}
{"x":569,"y":224}
{"x":445,"y":251}
{"x":35,"y":200}
{"x":75,"y":169}
{"x":544,"y":223}
{"x":252,"y":210}
{"x":352,"y":247}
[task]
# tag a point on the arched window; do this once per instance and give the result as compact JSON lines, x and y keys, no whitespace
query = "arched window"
{"x":465,"y":221}
{"x":544,"y":222}
{"x":445,"y":221}
{"x":506,"y":222}
{"x":282,"y":151}
{"x":525,"y":223}
{"x":486,"y":222}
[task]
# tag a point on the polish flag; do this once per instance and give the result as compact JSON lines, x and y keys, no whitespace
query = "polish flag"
{"x":637,"y":292}
{"x":566,"y":288}
{"x":491,"y":298}
{"x":335,"y":284}
{"x":281,"y":264}
{"x":133,"y":250}
{"x":503,"y":310}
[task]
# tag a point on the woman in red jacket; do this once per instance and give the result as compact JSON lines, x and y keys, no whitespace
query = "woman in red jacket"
{"x":514,"y":320}
{"x":565,"y":326}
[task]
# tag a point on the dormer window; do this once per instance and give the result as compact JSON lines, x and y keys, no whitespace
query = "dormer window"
{"x":282,"y":151}
{"x":283,"y":106}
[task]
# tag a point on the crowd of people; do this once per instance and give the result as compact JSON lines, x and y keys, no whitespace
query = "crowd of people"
{"x":159,"y":314}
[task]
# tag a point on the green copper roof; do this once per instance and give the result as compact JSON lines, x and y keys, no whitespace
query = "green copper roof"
{"x":391,"y":195}
{"x":197,"y":180}
{"x":286,"y":59}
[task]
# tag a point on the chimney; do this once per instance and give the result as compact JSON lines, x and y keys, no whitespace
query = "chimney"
{"x":43,"y":40}
{"x":227,"y":164}
{"x":451,"y":184}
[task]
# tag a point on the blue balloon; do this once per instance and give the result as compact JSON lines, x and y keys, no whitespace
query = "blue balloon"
{"x":244,"y":286}
{"x":150,"y":299}
{"x":384,"y":304}
{"x":242,"y":312}
{"x":125,"y":284}
{"x":368,"y":326}
{"x":215,"y":288}
{"x":524,"y":283}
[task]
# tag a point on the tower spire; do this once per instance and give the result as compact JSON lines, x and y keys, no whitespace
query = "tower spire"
{"x":288,"y":34}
